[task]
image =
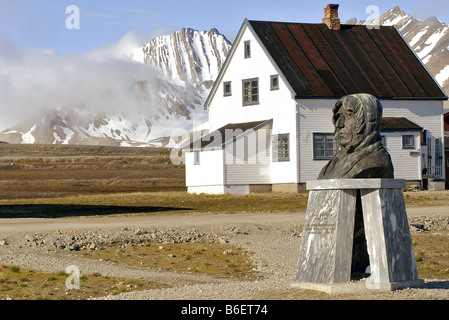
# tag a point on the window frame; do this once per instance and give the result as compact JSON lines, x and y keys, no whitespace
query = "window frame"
{"x":314,"y":145}
{"x":274,"y":87}
{"x":281,"y":152}
{"x":251,"y":88}
{"x":225,"y":92}
{"x":408,"y":146}
{"x":196,"y":158}
{"x":247,"y":49}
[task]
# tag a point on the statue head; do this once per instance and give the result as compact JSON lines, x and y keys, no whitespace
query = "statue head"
{"x":357,"y":120}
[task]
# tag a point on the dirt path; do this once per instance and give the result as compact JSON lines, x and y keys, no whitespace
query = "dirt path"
{"x":11,"y":226}
{"x":271,"y":237}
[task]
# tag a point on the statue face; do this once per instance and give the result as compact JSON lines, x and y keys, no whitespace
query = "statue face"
{"x":345,"y":127}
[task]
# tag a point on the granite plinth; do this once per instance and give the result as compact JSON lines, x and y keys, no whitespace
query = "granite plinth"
{"x":326,"y":250}
{"x":325,"y":253}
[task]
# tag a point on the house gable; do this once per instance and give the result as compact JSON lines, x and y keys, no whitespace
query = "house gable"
{"x":246,"y":26}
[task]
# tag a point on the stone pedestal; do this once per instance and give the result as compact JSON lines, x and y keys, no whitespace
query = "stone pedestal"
{"x":326,"y":251}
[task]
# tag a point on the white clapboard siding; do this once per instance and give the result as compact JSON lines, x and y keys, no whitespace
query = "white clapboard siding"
{"x":406,"y":162}
{"x":247,"y":174}
{"x":315,"y":116}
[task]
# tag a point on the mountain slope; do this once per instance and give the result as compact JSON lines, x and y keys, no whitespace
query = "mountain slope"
{"x":181,"y":69}
{"x":163,"y":85}
{"x":429,"y":39}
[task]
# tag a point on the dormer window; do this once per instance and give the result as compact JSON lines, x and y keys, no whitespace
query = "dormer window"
{"x":247,"y":45}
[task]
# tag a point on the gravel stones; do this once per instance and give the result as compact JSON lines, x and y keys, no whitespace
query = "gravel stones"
{"x":121,"y":238}
{"x":423,"y":223}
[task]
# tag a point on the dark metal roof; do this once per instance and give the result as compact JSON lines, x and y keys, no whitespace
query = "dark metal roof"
{"x":226,"y":134}
{"x":398,"y":124}
{"x":320,"y":62}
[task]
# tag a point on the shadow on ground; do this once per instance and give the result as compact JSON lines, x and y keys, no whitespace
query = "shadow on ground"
{"x":437,"y":284}
{"x":59,"y":211}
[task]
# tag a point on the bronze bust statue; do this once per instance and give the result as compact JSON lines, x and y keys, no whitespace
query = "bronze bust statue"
{"x":357,"y":120}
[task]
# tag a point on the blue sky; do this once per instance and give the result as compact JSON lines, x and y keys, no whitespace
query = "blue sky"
{"x":41,"y":24}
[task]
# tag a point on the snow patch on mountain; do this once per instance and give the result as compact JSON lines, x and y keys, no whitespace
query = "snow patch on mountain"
{"x":443,"y":75}
{"x":121,"y":95}
{"x":28,"y":137}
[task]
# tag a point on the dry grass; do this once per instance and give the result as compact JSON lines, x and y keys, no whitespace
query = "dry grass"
{"x":150,"y":203}
{"x":23,"y":284}
{"x":432,"y":254}
{"x":218,"y":260}
{"x":45,"y":171}
{"x":426,"y":198}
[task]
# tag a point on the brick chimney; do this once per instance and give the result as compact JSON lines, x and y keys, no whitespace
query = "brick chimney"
{"x":331,"y":16}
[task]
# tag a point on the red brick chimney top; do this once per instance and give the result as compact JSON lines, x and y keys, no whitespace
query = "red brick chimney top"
{"x":331,"y":16}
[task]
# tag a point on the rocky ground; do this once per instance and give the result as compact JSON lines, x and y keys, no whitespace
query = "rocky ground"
{"x":52,"y":245}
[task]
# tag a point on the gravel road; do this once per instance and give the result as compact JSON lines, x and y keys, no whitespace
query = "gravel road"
{"x":273,"y":238}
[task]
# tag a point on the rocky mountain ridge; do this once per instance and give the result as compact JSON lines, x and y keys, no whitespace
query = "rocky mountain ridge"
{"x":187,"y":63}
{"x":183,"y":65}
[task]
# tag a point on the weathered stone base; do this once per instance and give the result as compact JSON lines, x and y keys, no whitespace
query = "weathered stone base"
{"x":326,"y":251}
{"x":358,"y":286}
{"x":392,"y":286}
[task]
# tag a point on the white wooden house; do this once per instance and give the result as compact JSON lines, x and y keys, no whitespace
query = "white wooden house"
{"x":270,"y":110}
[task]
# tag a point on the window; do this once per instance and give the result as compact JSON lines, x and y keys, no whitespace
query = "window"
{"x":408,"y":142}
{"x":196,"y":158}
{"x":281,"y":147}
{"x":324,"y":146}
{"x":247,"y":45}
{"x":274,"y":82}
{"x":250,"y":91}
{"x":227,"y":89}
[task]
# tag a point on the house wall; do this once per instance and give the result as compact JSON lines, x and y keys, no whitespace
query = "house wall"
{"x":406,"y":162}
{"x":427,"y":114}
{"x":248,"y":160}
{"x":208,"y":173}
{"x":315,"y":116}
{"x":273,"y":104}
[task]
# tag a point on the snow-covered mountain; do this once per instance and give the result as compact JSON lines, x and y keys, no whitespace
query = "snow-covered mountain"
{"x":428,"y":38}
{"x":181,"y":69}
{"x":164,"y":83}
